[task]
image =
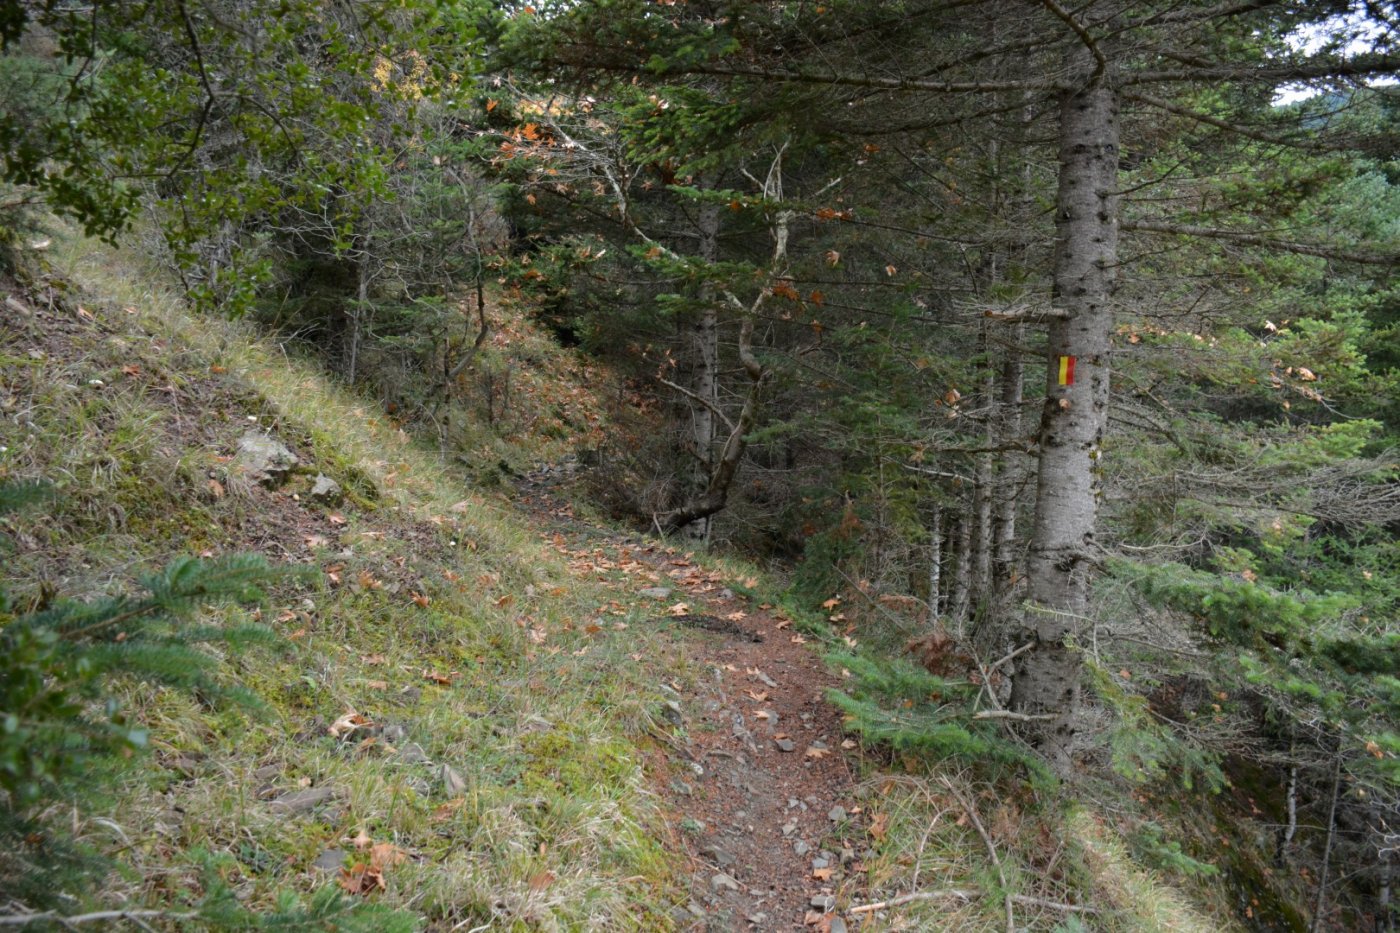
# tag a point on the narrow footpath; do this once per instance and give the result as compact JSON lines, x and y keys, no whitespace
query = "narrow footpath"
{"x":760,"y":794}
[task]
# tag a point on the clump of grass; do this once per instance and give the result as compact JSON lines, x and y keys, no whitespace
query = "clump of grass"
{"x":1145,"y":900}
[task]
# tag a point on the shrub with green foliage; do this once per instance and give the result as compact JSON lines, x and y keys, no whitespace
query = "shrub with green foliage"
{"x":898,"y":703}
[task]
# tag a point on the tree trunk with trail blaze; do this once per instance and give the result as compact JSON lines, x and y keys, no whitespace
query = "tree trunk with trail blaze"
{"x":1046,"y":679}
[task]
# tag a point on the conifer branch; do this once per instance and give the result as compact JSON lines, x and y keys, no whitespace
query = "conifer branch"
{"x":1362,"y":66}
{"x":1100,"y":63}
{"x":1337,"y":253}
{"x":1226,"y":125}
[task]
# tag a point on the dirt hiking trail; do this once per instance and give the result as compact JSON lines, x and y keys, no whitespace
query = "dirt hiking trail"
{"x":759,"y":794}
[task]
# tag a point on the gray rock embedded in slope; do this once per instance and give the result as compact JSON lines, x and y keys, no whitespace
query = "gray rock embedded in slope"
{"x":264,"y":459}
{"x":325,"y":489}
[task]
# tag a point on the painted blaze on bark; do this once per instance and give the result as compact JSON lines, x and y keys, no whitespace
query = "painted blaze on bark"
{"x":1046,"y":680}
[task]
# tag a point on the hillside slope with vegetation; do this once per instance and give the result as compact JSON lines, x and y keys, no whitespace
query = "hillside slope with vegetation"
{"x":427,"y":717}
{"x":632,"y":465}
{"x":454,"y":713}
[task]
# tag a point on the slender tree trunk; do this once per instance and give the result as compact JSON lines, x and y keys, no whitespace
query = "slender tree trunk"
{"x":361,"y":302}
{"x":704,"y":340}
{"x":983,"y":483}
{"x":935,"y":564}
{"x":1009,"y":474}
{"x":1046,"y":680}
{"x":1320,"y":905}
{"x":959,"y":594}
{"x":716,"y":493}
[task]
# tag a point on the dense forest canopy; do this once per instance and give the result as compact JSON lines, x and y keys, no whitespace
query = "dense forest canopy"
{"x":1047,"y":347}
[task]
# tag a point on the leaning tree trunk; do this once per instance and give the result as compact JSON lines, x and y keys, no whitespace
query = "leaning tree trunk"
{"x":1046,"y":681}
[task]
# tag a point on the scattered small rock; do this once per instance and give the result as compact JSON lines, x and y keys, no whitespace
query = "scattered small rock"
{"x":789,"y":828}
{"x":411,"y":754}
{"x":718,"y":856}
{"x":801,"y":848}
{"x":453,"y":784}
{"x":325,"y":489}
{"x":723,"y":882}
{"x":837,"y":925}
{"x":671,"y":712}
{"x":655,"y":592}
{"x":329,"y":860}
{"x":785,"y":745}
{"x":264,"y":459}
{"x":535,"y":723}
{"x":819,"y":863}
{"x":824,"y":902}
{"x":836,"y":814}
{"x":303,"y":801}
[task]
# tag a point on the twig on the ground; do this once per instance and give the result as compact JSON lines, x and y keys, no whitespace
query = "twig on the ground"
{"x":73,"y":920}
{"x":971,"y":810}
{"x":1053,"y":905}
{"x":1008,"y":714}
{"x":959,"y":893}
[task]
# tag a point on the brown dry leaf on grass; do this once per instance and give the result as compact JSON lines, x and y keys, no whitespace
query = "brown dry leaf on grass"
{"x":347,"y":724}
{"x":366,"y":878}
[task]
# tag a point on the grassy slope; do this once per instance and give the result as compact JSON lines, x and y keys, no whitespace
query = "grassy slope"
{"x":133,"y":408}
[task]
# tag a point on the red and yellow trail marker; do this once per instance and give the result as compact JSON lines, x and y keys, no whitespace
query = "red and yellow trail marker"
{"x":1066,"y":373}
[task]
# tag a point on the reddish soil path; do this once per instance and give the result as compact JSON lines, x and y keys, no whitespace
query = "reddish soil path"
{"x":760,"y":793}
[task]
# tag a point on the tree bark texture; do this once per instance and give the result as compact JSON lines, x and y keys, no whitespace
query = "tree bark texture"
{"x":1046,"y":680}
